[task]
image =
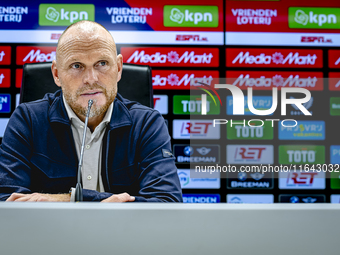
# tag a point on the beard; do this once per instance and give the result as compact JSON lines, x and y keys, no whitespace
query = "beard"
{"x":96,"y":110}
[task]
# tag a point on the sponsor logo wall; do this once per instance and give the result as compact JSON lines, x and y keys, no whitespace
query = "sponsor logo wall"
{"x":183,"y":43}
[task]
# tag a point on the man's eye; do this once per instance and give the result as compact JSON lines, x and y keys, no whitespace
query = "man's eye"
{"x":76,"y":66}
{"x":102,"y":63}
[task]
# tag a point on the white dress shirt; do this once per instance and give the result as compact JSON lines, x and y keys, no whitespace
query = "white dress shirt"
{"x":92,"y":158}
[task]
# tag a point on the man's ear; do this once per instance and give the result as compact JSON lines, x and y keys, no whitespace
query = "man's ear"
{"x":120,"y":67}
{"x":55,"y":73}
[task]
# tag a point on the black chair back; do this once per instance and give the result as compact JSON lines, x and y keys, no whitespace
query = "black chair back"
{"x":135,"y":85}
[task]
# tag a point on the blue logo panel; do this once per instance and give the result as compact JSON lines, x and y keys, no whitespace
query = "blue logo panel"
{"x":304,"y":130}
{"x":335,"y":154}
{"x":259,"y":103}
{"x":201,"y":198}
{"x":307,"y":199}
{"x":5,"y":103}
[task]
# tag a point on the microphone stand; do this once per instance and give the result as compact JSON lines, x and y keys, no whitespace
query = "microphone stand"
{"x":79,"y":189}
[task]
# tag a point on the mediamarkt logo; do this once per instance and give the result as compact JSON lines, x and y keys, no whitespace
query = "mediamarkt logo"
{"x":269,"y":79}
{"x":181,"y":79}
{"x":28,"y":54}
{"x":274,"y":58}
{"x":171,"y":56}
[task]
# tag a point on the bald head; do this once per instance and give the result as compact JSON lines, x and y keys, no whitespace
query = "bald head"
{"x":83,"y":32}
{"x":87,"y":67}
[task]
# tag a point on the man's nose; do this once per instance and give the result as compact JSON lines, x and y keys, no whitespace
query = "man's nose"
{"x":90,"y":76}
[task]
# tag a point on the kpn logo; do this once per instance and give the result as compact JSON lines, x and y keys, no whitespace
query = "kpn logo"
{"x":190,"y":16}
{"x":64,"y":14}
{"x":306,"y":17}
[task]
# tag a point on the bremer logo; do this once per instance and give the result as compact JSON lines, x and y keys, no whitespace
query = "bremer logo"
{"x":274,"y":58}
{"x":5,"y":78}
{"x":259,"y":80}
{"x":172,"y":56}
{"x":334,"y":58}
{"x":29,"y":54}
{"x":181,"y":79}
{"x":5,"y":55}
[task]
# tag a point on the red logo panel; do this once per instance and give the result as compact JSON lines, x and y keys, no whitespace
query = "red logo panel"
{"x":246,"y":57}
{"x":334,"y":58}
{"x":5,"y":55}
{"x":30,"y":54}
{"x":270,"y":16}
{"x":18,"y":78}
{"x":198,"y":57}
{"x":334,"y":81}
{"x":179,"y":80}
{"x":266,"y":80}
{"x":5,"y":78}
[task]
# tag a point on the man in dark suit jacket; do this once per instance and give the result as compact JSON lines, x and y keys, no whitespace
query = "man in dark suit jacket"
{"x":127,"y":154}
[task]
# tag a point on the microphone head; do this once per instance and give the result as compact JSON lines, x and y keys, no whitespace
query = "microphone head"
{"x":90,"y":102}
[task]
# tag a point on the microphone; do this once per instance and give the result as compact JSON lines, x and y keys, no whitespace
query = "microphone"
{"x":79,"y":189}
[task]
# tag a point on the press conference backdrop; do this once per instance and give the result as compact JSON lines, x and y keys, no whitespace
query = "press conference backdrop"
{"x":258,"y":44}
